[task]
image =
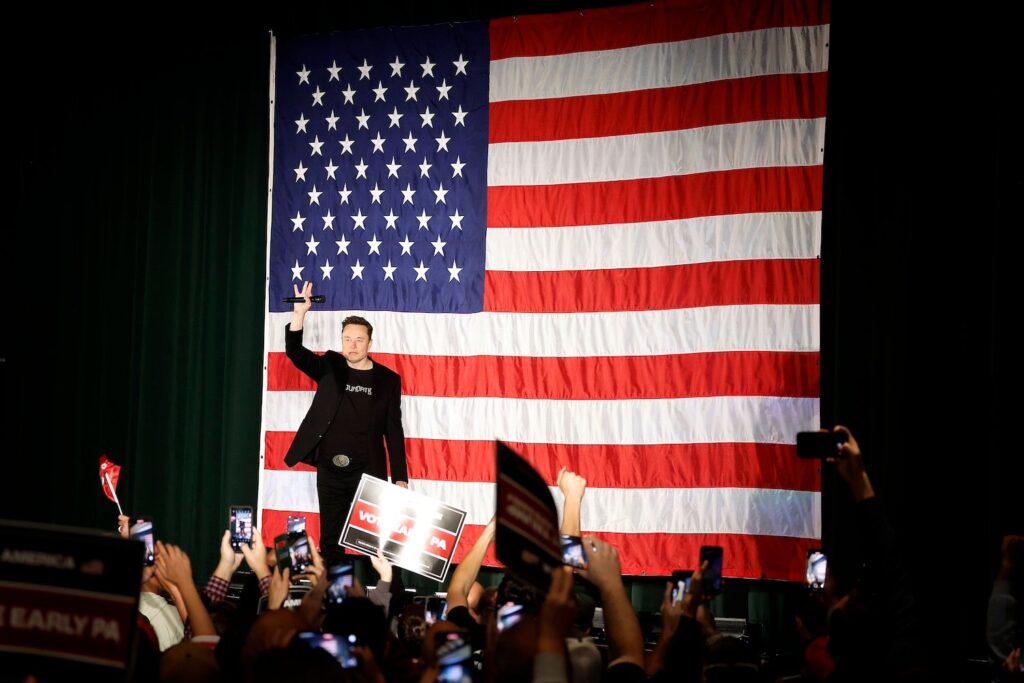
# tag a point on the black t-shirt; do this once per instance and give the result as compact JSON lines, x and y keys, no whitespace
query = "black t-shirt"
{"x":349,"y":433}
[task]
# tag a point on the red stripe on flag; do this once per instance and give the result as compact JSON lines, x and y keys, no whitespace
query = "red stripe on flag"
{"x":720,"y":283}
{"x":662,"y":22}
{"x":731,"y":373}
{"x":275,"y":447}
{"x":753,"y":190}
{"x":701,"y":465}
{"x":785,"y":96}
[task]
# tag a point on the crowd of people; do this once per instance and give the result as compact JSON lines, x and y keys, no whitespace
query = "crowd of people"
{"x":862,"y":626}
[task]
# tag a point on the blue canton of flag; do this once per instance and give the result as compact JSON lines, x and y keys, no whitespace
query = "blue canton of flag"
{"x":380,"y":169}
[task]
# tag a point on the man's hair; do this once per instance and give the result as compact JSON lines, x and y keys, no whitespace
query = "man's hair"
{"x":356,"y":320}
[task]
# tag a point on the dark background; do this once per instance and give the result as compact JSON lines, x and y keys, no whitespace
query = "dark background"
{"x":134,"y":266}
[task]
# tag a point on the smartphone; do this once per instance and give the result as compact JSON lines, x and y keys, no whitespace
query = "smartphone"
{"x":819,"y":444}
{"x":142,"y":530}
{"x":454,"y":657}
{"x":712,"y":583}
{"x":298,"y":551}
{"x":281,"y":552}
{"x":573,"y":553}
{"x":340,"y":646}
{"x":240,"y":524}
{"x":340,"y":576}
{"x":296,"y":524}
{"x":508,"y":615}
{"x":816,"y":567}
{"x":434,"y":609}
{"x":680,"y":585}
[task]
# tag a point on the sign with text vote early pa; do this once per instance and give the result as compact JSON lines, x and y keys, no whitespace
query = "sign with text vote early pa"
{"x":415,"y":532}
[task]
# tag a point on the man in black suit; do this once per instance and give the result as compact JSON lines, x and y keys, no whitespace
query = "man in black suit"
{"x":356,"y":408}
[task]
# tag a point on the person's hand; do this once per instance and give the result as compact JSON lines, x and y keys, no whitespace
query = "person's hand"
{"x":381,"y":564}
{"x":695,"y":593}
{"x":312,"y":605}
{"x":280,"y":584}
{"x":256,"y":555}
{"x":571,"y":484}
{"x":307,"y":292}
{"x":671,"y":611}
{"x":850,"y":465}
{"x":402,"y":484}
{"x":173,"y":567}
{"x":557,"y":612}
{"x":315,"y":570}
{"x":123,"y":525}
{"x":367,"y":665}
{"x":229,"y":561}
{"x":356,"y":590}
{"x":604,"y":570}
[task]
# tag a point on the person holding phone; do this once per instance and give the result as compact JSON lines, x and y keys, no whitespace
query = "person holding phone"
{"x":356,"y":410}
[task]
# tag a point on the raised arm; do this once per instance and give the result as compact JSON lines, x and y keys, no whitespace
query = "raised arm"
{"x":572,"y":486}
{"x":465,"y":574}
{"x":305,"y":360}
{"x":625,"y":642}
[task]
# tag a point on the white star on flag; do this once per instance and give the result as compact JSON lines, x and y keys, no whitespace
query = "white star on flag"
{"x":357,"y":270}
{"x":364,"y":70}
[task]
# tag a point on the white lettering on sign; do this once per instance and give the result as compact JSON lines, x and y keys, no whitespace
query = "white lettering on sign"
{"x":37,"y":559}
{"x":52,"y":621}
{"x":370,"y":518}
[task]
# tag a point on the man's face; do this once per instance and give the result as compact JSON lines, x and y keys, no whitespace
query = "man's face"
{"x":355,"y":343}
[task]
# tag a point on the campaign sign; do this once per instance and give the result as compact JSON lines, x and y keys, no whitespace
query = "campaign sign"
{"x":68,"y":601}
{"x":527,"y":521}
{"x":414,"y":532}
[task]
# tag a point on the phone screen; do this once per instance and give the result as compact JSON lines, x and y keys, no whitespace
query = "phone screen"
{"x":142,"y":530}
{"x":573,"y":553}
{"x":712,"y":583}
{"x":434,"y":609}
{"x":281,"y":552}
{"x":680,"y":585}
{"x":454,"y":657}
{"x":298,"y":550}
{"x":508,"y":615}
{"x":296,"y":524}
{"x":340,"y":577}
{"x":816,"y":567}
{"x":340,"y":647}
{"x":240,"y":523}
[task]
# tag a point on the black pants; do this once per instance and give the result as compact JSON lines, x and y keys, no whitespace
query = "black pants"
{"x":335,"y":496}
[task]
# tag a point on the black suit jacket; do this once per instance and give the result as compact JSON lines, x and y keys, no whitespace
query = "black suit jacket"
{"x":330,"y":372}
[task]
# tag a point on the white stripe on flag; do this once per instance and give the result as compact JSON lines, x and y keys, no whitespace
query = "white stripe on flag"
{"x":782,"y":235}
{"x":795,"y":142}
{"x":769,"y":512}
{"x":716,"y":419}
{"x":630,"y":333}
{"x":799,"y":49}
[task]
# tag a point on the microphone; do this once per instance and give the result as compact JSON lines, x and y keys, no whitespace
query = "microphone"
{"x":318,"y":299}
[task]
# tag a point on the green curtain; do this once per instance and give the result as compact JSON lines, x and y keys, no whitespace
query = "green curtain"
{"x":149,"y":191}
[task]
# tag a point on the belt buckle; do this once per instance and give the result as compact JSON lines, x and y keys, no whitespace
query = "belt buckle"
{"x":341,"y":460}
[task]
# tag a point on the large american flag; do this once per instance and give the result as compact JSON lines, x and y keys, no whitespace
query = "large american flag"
{"x":593,"y":235}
